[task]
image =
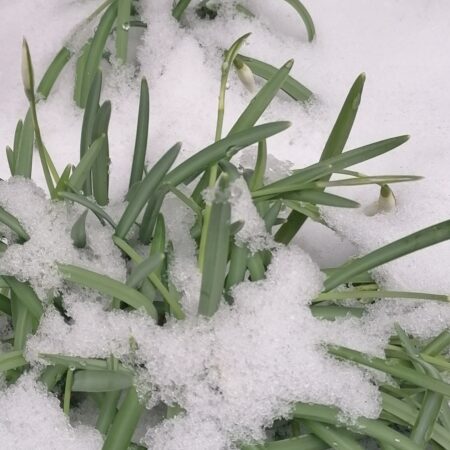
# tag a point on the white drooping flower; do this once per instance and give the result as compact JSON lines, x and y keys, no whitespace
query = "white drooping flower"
{"x":245,"y":74}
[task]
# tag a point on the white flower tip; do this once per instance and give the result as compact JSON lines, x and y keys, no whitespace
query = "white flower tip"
{"x":386,"y":201}
{"x":245,"y":74}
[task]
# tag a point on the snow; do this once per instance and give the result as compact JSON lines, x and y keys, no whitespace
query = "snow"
{"x":48,"y":225}
{"x":235,"y":373}
{"x":33,"y":420}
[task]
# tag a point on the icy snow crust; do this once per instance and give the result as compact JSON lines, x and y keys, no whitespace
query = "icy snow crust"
{"x":233,"y":374}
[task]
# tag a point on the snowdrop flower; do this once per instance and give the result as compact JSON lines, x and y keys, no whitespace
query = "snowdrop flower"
{"x":245,"y":74}
{"x":386,"y":202}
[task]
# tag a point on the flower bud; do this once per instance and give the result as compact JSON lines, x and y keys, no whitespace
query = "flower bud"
{"x":245,"y":74}
{"x":386,"y":200}
{"x":27,"y":71}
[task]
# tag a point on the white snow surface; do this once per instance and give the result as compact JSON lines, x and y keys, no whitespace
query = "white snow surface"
{"x":237,"y":372}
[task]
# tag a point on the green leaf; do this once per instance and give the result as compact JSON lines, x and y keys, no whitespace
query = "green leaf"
{"x":107,"y":411}
{"x":82,"y":172}
{"x":261,"y":100}
{"x":255,"y":266}
{"x":403,"y":373}
{"x":438,"y":345}
{"x":123,"y":25}
{"x":11,"y":222}
{"x":171,"y":300}
{"x":97,"y":210}
{"x":140,"y":146}
{"x":87,"y":127}
{"x":319,"y":197}
{"x":271,"y":215}
{"x":142,"y":270}
{"x":78,"y":232}
{"x":305,"y":16}
{"x":159,"y":241}
{"x":24,"y":152}
{"x":384,"y":179}
{"x":179,"y":8}
{"x":148,"y":187}
{"x":334,"y":437}
{"x":68,"y":391}
{"x":291,"y":86}
{"x":226,"y":147}
{"x":151,"y":214}
{"x":257,"y":178}
{"x":22,"y":323}
{"x":5,"y":305}
{"x":373,"y":294}
{"x":332,"y":312}
{"x":125,"y":423}
{"x":108,"y":286}
{"x":53,"y":71}
{"x":333,"y":147}
{"x":238,"y":266}
{"x":319,"y":170}
{"x":26,"y":295}
{"x":63,"y":182}
{"x":96,"y":51}
{"x":344,"y":123}
{"x":76,"y":362}
{"x":10,"y":157}
{"x":101,"y":381}
{"x":11,"y":360}
{"x":409,"y":244}
{"x":100,"y":170}
{"x":373,"y":428}
{"x":216,"y":252}
{"x":51,"y":375}
{"x":409,"y":414}
{"x":79,"y":70}
{"x":304,"y":442}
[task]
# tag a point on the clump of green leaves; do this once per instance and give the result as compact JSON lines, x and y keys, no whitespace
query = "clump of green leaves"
{"x":415,"y":412}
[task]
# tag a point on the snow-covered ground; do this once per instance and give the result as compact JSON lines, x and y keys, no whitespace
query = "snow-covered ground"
{"x":402,"y":46}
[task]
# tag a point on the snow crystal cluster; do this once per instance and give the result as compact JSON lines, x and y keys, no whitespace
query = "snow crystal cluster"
{"x":49,"y":225}
{"x":234,"y":374}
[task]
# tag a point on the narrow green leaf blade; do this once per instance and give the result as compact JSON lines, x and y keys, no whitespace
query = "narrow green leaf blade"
{"x":96,"y":50}
{"x":78,"y":232}
{"x":24,"y":155}
{"x":101,"y":381}
{"x":97,"y":210}
{"x":261,"y":100}
{"x":291,"y":86}
{"x":100,"y":169}
{"x":148,"y":187}
{"x":140,"y":146}
{"x":226,"y":147}
{"x":216,"y":252}
{"x":53,"y":71}
{"x":125,"y":422}
{"x":144,"y":269}
{"x":26,"y":295}
{"x":409,"y":244}
{"x":83,"y":170}
{"x":11,"y":222}
{"x":403,"y":373}
{"x":11,"y":360}
{"x":123,"y":25}
{"x":107,"y":286}
{"x":305,"y":16}
{"x":373,"y":428}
